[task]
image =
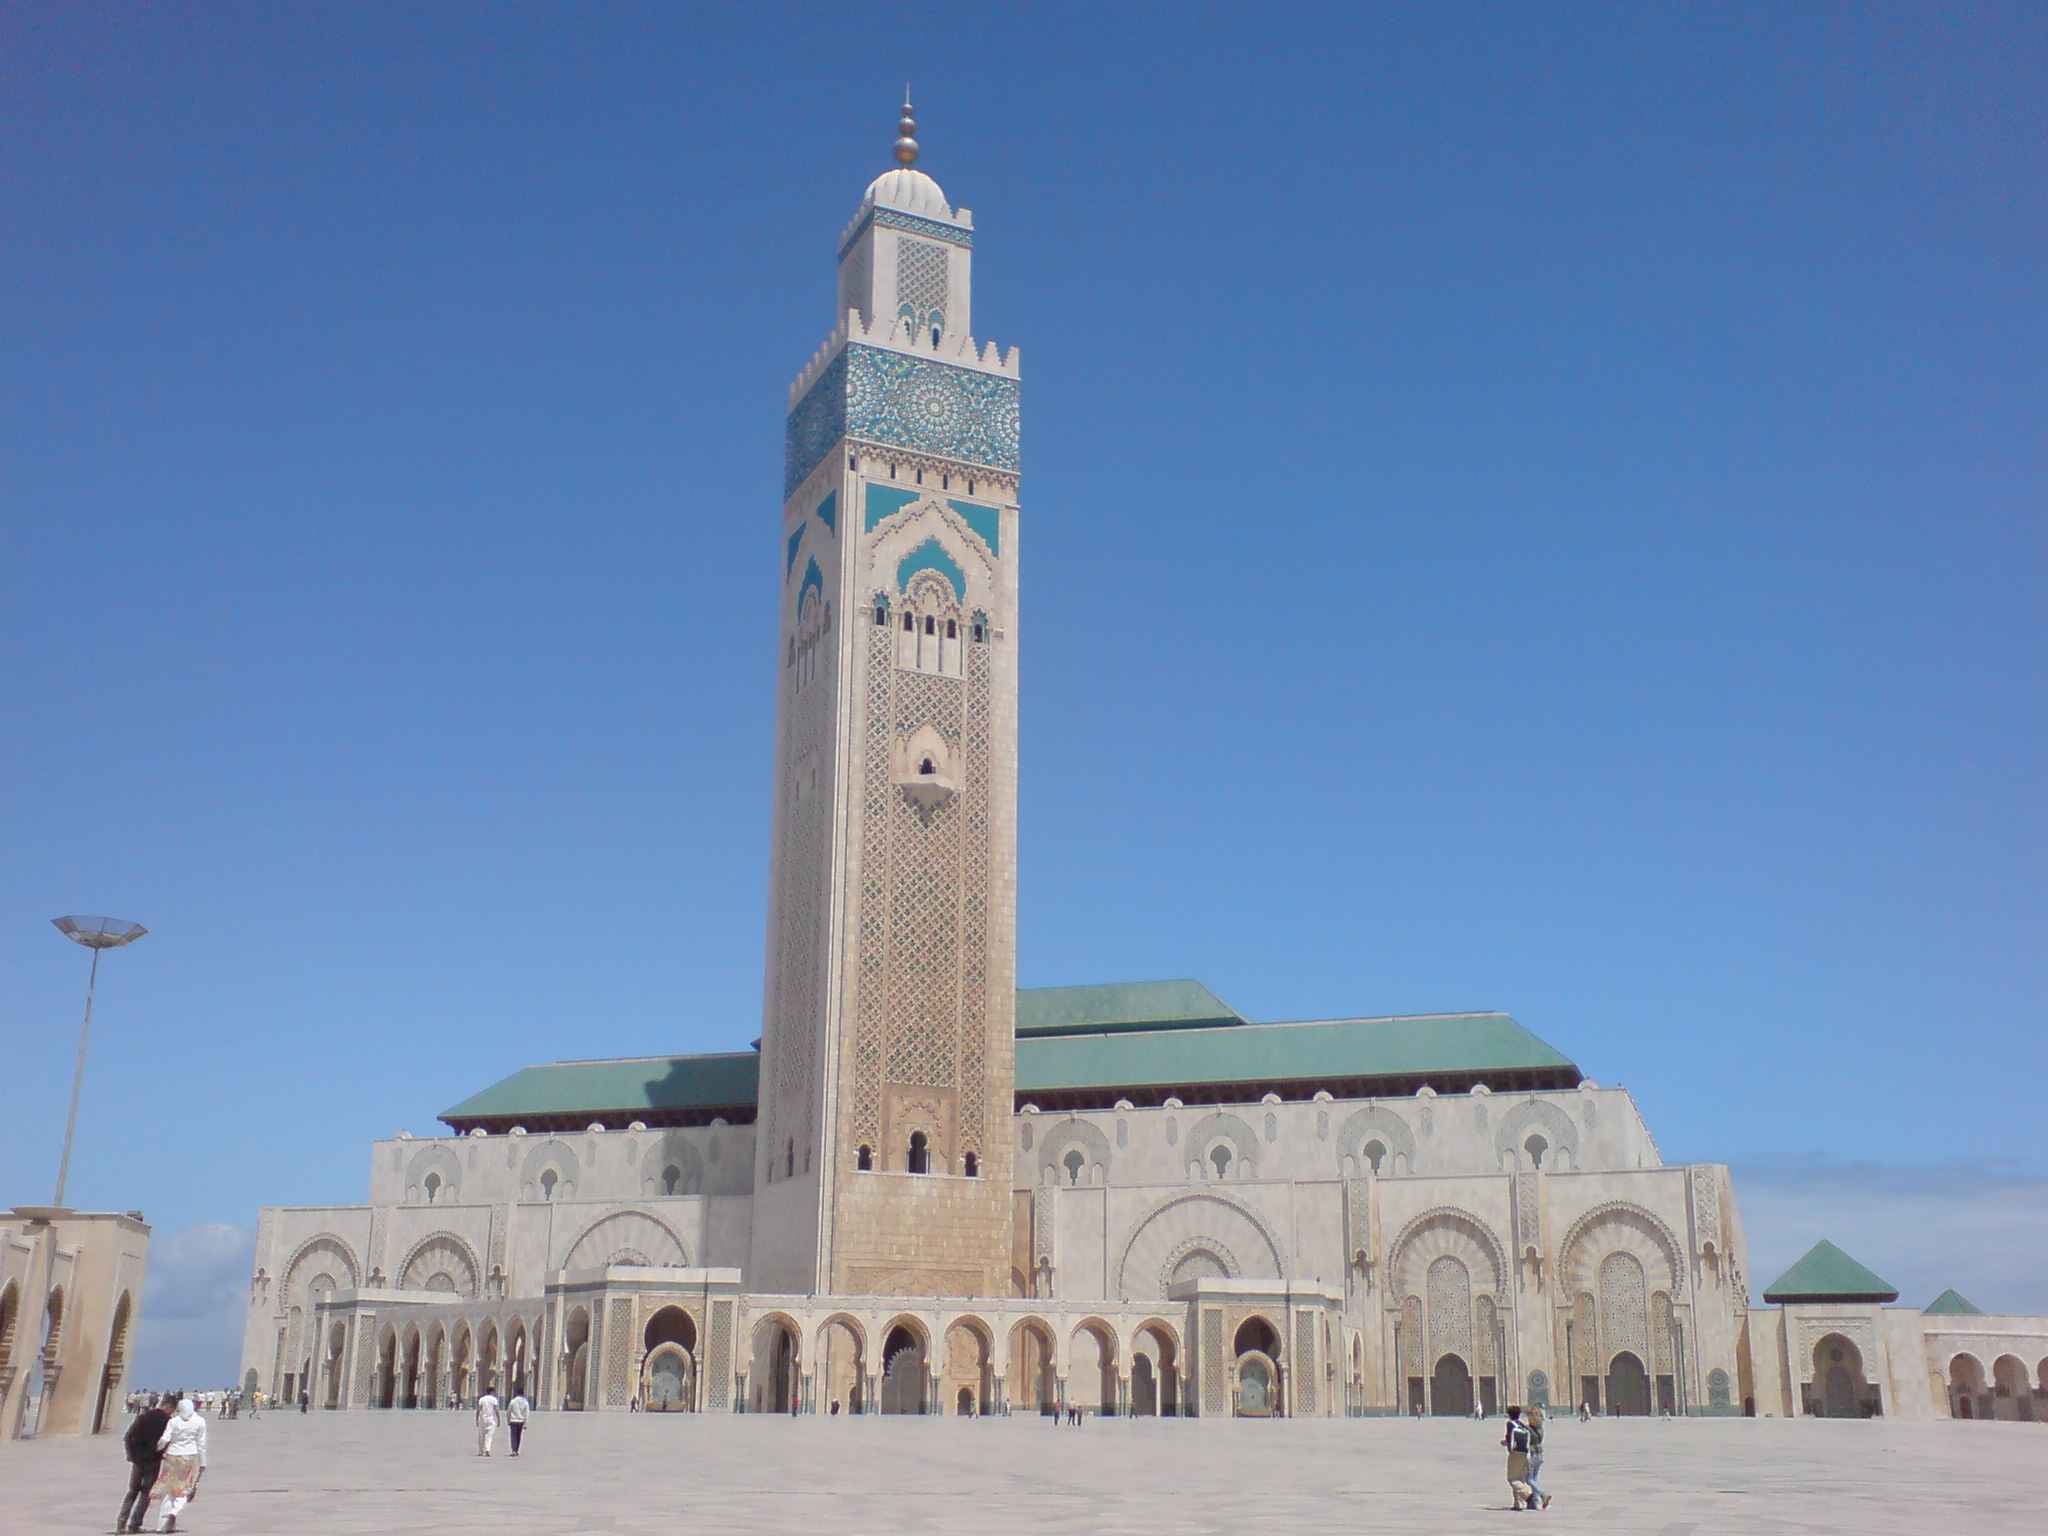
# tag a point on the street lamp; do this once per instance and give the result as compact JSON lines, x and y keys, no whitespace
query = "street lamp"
{"x":96,"y":934}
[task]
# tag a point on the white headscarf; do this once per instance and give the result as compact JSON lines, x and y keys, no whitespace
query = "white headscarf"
{"x":185,"y":1408}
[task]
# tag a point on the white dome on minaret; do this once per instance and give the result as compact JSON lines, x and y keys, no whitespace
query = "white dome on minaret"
{"x":911,"y":191}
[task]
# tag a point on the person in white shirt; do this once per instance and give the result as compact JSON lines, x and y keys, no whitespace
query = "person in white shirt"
{"x":486,"y":1422}
{"x":184,"y":1446}
{"x":515,"y":1417}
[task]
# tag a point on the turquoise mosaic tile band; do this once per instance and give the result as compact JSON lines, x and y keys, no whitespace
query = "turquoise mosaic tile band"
{"x":915,"y":403}
{"x":813,"y":577}
{"x":828,"y":511}
{"x":818,"y":422}
{"x":891,"y":218}
{"x":932,"y":407}
{"x":789,"y":562}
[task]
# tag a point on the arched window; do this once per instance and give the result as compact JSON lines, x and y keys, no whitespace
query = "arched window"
{"x":971,"y":1166}
{"x":907,"y":625}
{"x":671,"y":1179}
{"x":864,"y":1160}
{"x":1073,"y":1163}
{"x":881,"y":616}
{"x":925,"y":768}
{"x":1375,"y":1155}
{"x":1535,"y":1146}
{"x":547,"y":1185}
{"x":952,"y":629}
{"x":920,"y":1158}
{"x":432,"y":1186}
{"x":931,"y":625}
{"x":980,"y":634}
{"x":1220,"y":1156}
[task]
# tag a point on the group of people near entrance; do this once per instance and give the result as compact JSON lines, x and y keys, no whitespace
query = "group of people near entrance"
{"x":1524,"y":1441}
{"x":166,"y":1458}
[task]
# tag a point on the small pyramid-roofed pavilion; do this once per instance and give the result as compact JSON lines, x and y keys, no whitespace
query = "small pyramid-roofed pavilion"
{"x":1828,"y":1274}
{"x":1953,"y":1303}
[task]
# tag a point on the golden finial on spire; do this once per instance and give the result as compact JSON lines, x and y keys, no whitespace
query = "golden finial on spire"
{"x":906,"y":133}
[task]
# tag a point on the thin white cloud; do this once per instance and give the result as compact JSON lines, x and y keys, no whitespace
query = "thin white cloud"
{"x":193,"y":1306}
{"x":1983,"y":1231}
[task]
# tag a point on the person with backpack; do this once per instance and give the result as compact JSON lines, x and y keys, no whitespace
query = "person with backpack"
{"x":1517,"y":1441}
{"x":1538,"y":1499}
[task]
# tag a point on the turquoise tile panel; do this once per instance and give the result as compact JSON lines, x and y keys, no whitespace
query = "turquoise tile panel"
{"x":987,"y":523}
{"x":885,"y":502}
{"x":789,"y":563}
{"x":931,"y":556}
{"x":828,"y":511}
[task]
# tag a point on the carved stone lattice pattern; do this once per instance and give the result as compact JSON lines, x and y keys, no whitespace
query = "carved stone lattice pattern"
{"x":1706,"y":1204}
{"x":1213,"y":1400}
{"x":1408,"y":1340}
{"x":718,"y":1356}
{"x":1528,"y":1225}
{"x":920,"y":278}
{"x":373,"y":1254}
{"x":1585,"y":1338}
{"x":796,"y":1012}
{"x":618,"y":1339}
{"x":1485,"y":1337}
{"x":1358,"y":1218}
{"x":1042,"y":1227}
{"x":1660,"y":1332}
{"x":974,"y":903}
{"x":874,"y":915}
{"x":1450,"y":1310}
{"x":366,"y":1358}
{"x":1624,"y":1306}
{"x":924,"y":975}
{"x":1305,"y":1362}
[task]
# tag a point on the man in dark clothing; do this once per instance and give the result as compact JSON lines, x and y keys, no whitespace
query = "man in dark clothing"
{"x":144,"y":1459}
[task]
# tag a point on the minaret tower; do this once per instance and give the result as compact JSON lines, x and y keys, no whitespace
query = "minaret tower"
{"x":888,"y":1061}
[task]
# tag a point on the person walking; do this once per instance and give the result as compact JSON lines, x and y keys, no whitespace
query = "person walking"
{"x":486,"y":1421}
{"x":515,"y":1417}
{"x":1537,"y":1496}
{"x":1517,"y":1442}
{"x":144,"y":1462}
{"x":183,"y":1444}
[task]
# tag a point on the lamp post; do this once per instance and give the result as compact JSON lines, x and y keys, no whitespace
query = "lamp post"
{"x":96,"y":934}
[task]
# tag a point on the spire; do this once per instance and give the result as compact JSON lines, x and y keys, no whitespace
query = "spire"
{"x":906,"y":133}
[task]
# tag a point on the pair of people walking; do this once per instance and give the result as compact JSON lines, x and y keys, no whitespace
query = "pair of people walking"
{"x":166,"y":1459}
{"x":487,"y":1413}
{"x":1524,"y":1442}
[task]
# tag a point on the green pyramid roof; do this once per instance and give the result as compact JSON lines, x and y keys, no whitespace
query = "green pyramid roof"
{"x":1952,"y":1303}
{"x":1828,"y":1274}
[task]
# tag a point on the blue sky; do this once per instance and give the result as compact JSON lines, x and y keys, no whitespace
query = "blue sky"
{"x":1526,"y":512}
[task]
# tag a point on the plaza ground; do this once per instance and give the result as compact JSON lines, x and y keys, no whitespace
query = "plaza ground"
{"x":402,"y":1472}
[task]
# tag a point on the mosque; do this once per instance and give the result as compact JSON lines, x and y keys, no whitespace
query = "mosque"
{"x":926,"y":1191}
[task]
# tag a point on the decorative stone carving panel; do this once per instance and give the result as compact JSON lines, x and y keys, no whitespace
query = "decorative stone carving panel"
{"x":618,"y":1343}
{"x":1449,"y":1310}
{"x":1624,"y":1306}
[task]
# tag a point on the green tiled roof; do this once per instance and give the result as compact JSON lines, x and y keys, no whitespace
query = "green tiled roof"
{"x":1120,"y":1006}
{"x":1952,"y":1303}
{"x":1160,"y":1036}
{"x":1828,"y":1274}
{"x":1329,"y":1048}
{"x":726,"y":1080}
